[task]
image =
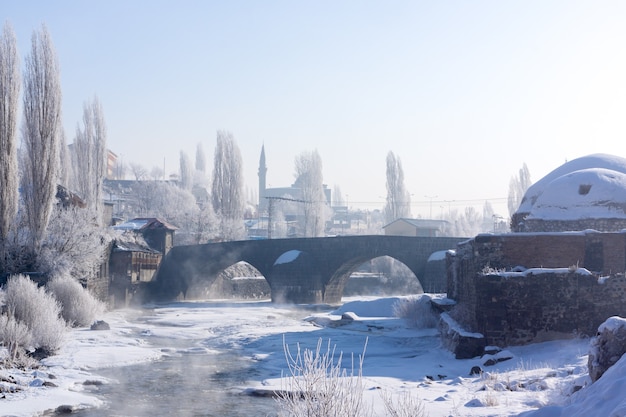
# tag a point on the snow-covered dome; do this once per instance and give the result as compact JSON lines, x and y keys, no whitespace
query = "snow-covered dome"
{"x":584,"y":193}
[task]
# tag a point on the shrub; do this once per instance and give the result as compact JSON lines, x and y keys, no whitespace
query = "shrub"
{"x":416,"y":310}
{"x":78,"y":306}
{"x":317,"y":385}
{"x":406,"y":405}
{"x":37,"y":310}
{"x":16,"y":337}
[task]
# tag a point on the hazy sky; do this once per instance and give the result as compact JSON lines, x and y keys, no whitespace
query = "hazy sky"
{"x":463,"y":92}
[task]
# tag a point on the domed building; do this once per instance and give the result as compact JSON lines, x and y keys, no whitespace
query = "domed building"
{"x":585,"y":193}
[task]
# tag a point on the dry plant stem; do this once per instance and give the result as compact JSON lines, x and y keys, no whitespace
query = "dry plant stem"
{"x":317,"y":386}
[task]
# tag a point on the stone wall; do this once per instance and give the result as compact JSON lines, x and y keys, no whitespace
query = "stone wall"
{"x":540,"y":225}
{"x":535,"y":307}
{"x":522,"y":288}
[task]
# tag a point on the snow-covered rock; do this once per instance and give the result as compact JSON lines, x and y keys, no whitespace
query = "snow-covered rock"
{"x":607,"y":347}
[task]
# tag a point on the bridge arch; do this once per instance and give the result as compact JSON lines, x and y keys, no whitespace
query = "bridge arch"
{"x":240,"y":280}
{"x":339,"y":279}
{"x":383,"y":275}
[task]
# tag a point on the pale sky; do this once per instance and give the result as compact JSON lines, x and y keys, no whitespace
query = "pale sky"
{"x":463,"y":92}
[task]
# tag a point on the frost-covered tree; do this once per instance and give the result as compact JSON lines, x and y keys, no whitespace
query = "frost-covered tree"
{"x":138,"y":171}
{"x":517,"y":188}
{"x":40,"y":134}
{"x":227,"y":189}
{"x":338,"y":199}
{"x":398,"y":198}
{"x":89,"y":157}
{"x":167,"y":201}
{"x":200,"y":159}
{"x":310,"y":181}
{"x":186,"y":172}
{"x":9,"y":94}
{"x":66,"y":169}
{"x":157,"y":173}
{"x":74,"y":243}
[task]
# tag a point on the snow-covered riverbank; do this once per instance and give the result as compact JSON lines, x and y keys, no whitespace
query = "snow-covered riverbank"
{"x":398,"y":358}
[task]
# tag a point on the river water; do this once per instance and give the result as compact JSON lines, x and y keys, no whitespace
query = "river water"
{"x":208,"y":383}
{"x":165,"y":388}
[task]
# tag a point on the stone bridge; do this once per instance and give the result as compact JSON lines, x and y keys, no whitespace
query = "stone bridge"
{"x":302,"y":270}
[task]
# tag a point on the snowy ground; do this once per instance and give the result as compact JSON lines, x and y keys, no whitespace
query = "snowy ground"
{"x":398,"y":359}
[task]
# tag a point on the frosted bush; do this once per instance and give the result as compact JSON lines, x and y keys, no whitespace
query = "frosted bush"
{"x":78,"y":306}
{"x":416,"y":310}
{"x":317,"y":385}
{"x":15,"y":336}
{"x":37,"y":310}
{"x":404,"y":405}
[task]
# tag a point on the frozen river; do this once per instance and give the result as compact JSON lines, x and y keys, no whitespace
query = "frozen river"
{"x":200,"y":359}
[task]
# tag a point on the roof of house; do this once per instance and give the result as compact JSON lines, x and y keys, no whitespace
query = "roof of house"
{"x":127,"y":241}
{"x":145,"y":223}
{"x":126,"y":246}
{"x":420,"y":223}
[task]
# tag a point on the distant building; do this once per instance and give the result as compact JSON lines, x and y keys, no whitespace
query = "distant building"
{"x":111,"y":165}
{"x":415,"y":227}
{"x":292,"y":193}
{"x":279,"y":211}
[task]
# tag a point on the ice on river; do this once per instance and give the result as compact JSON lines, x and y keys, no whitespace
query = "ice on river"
{"x":398,"y":358}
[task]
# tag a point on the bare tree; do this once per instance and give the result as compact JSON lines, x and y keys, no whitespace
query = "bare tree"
{"x":186,"y":172}
{"x":157,"y":173}
{"x":517,"y":188}
{"x":227,"y":190}
{"x":398,"y":199}
{"x":139,"y":171}
{"x":310,"y":181}
{"x":9,"y":94}
{"x":90,"y":157}
{"x":40,"y":134}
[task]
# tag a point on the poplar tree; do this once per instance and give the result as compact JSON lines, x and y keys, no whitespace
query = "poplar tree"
{"x":40,"y":134}
{"x":518,"y":185}
{"x":200,"y":159}
{"x":186,"y":172}
{"x":227,"y":188}
{"x":9,"y":94}
{"x":398,"y":199}
{"x":310,"y":181}
{"x":90,"y":158}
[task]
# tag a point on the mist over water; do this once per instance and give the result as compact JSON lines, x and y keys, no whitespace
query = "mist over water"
{"x":181,"y":385}
{"x":200,"y":378}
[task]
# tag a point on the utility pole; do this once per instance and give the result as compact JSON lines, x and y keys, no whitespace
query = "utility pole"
{"x":431,"y":204}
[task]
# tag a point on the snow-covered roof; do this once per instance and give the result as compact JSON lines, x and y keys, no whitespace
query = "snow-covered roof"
{"x":143,"y":223}
{"x":594,"y":193}
{"x":420,"y":223}
{"x":568,"y":185}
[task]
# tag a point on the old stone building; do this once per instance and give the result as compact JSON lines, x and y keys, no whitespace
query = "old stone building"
{"x":561,"y":273}
{"x":523,"y":288}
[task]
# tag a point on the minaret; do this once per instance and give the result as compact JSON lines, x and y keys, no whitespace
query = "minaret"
{"x":262,"y":179}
